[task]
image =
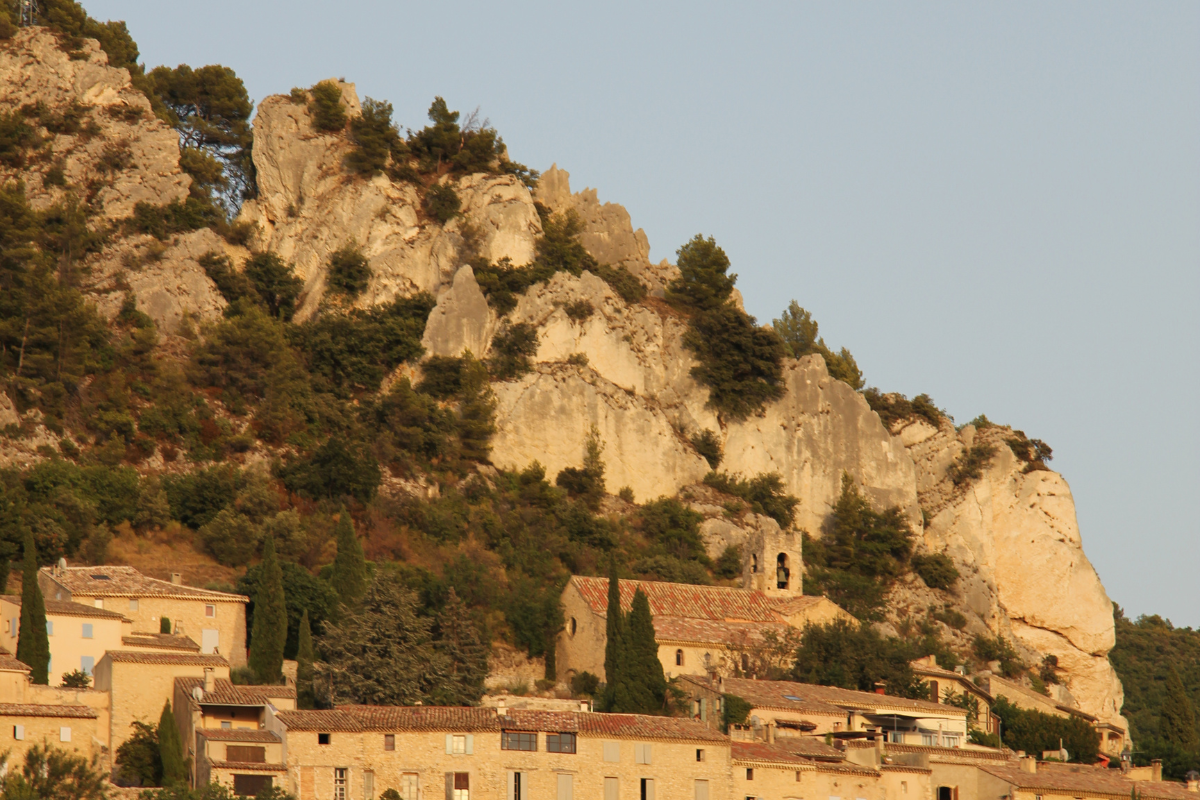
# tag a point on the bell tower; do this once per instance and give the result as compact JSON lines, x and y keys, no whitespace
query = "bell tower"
{"x":774,"y":561}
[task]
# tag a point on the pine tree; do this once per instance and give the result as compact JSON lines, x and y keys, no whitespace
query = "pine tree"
{"x":350,"y":566}
{"x":1177,"y":719}
{"x":170,"y":749}
{"x":465,"y":653}
{"x":703,"y":283}
{"x":269,"y":633}
{"x":33,"y":642}
{"x":614,"y":645}
{"x":305,"y":697}
{"x":647,"y":683}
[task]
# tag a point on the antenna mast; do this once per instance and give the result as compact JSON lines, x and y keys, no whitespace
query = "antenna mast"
{"x":27,"y":10}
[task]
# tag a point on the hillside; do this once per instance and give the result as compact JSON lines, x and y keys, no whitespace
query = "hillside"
{"x":481,"y":365}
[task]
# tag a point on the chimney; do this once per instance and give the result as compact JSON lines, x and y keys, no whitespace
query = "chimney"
{"x":62,"y":567}
{"x":501,"y":708}
{"x":771,"y":732}
{"x":1029,"y":764}
{"x":1156,"y":770}
{"x":880,"y":687}
{"x":1193,"y":784}
{"x":177,"y":578}
{"x":584,"y":706}
{"x":210,"y":679}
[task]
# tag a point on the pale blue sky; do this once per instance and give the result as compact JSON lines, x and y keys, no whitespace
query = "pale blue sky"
{"x":997,"y":204}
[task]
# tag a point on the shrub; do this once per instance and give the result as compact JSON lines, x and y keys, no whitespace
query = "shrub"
{"x":442,"y":202}
{"x":410,"y":423}
{"x":586,"y":483}
{"x":799,"y":330}
{"x":349,"y":271}
{"x":274,"y":283}
{"x":76,"y":679}
{"x":579,"y":310}
{"x":622,"y":281}
{"x":178,"y":216}
{"x":335,"y":469}
{"x":763,"y":492}
{"x":578,"y":360}
{"x":1037,"y":732}
{"x":513,"y":349}
{"x":240,"y":352}
{"x":729,"y":563}
{"x":673,"y":529}
{"x":231,"y":538}
{"x":584,"y":684}
{"x":936,"y":569}
{"x":734,"y":711}
{"x":375,"y":138}
{"x":442,"y":376}
{"x":855,"y":656}
{"x":138,"y":761}
{"x":196,"y":497}
{"x":703,"y":283}
{"x":326,"y":108}
{"x":998,"y":648}
{"x":740,"y":363}
{"x":626,"y":494}
{"x":709,"y":446}
{"x":672,"y":570}
{"x":1034,"y":452}
{"x":971,"y":464}
{"x":232,"y":284}
{"x":951,"y":617}
{"x":894,"y":407}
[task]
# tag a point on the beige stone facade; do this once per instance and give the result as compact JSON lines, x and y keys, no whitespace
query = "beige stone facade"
{"x":459,"y":754}
{"x":215,"y":620}
{"x":140,"y":683}
{"x":66,"y":727}
{"x":79,"y":634}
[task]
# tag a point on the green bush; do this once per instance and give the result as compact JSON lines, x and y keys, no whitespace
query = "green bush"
{"x":971,"y":464}
{"x":895,"y":407}
{"x":349,"y":271}
{"x":584,"y":684}
{"x":579,"y":310}
{"x":513,"y":349}
{"x":998,"y":648}
{"x":274,"y":283}
{"x":231,"y":538}
{"x":411,"y":424}
{"x":763,"y":492}
{"x":703,"y":283}
{"x":442,"y":376}
{"x":858,"y":657}
{"x":951,"y":617}
{"x":375,"y":138}
{"x":326,"y":108}
{"x":1037,"y":732}
{"x":673,"y":530}
{"x":740,"y":363}
{"x":335,"y":469}
{"x":622,"y":281}
{"x":936,"y":569}
{"x":232,"y":284}
{"x":442,"y":202}
{"x":709,"y":446}
{"x":798,"y":330}
{"x":239,"y":353}
{"x":1034,"y":452}
{"x":729,"y":564}
{"x":178,"y":216}
{"x":672,"y":570}
{"x":197,"y":497}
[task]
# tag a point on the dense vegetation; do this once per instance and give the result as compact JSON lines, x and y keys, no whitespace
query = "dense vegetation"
{"x":798,"y":330}
{"x":1036,"y":732}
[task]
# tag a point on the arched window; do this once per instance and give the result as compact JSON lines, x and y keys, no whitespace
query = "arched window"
{"x":574,"y":626}
{"x":745,"y":663}
{"x":783,"y":572}
{"x":679,"y":658}
{"x":754,"y":563}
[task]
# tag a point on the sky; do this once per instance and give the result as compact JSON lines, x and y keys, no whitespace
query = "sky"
{"x":997,"y":204}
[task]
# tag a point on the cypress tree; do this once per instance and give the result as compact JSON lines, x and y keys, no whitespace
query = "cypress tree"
{"x":33,"y":643}
{"x":5,"y":568}
{"x":1177,"y":719}
{"x":466,"y":655}
{"x":269,"y":633}
{"x":170,"y":749}
{"x":647,"y":683}
{"x":614,"y":645}
{"x":350,"y":566}
{"x":305,"y":697}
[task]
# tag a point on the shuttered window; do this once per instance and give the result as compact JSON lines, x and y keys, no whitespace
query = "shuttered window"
{"x":250,"y":785}
{"x":641,"y":754}
{"x":612,"y":751}
{"x":566,"y":787}
{"x":700,"y":792}
{"x":612,"y":789}
{"x":247,"y":754}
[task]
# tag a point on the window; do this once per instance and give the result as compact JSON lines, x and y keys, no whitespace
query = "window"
{"x":574,"y":626}
{"x":14,"y":627}
{"x":700,"y":790}
{"x":566,"y":787}
{"x":322,"y":738}
{"x":227,"y":725}
{"x":647,"y":789}
{"x":408,"y":786}
{"x":641,"y":754}
{"x":87,"y":663}
{"x":612,"y":751}
{"x":133,"y":604}
{"x":518,"y":740}
{"x":903,"y":787}
{"x":749,"y":773}
{"x":251,"y":785}
{"x":679,"y":658}
{"x":98,"y":603}
{"x":389,"y":741}
{"x":699,"y":754}
{"x":18,"y":732}
{"x":210,"y":611}
{"x":460,"y":786}
{"x":754,"y":563}
{"x":49,"y":627}
{"x":515,"y":786}
{"x":783,"y":571}
{"x":339,"y":783}
{"x":368,"y":785}
{"x":457,"y":745}
{"x":945,"y":793}
{"x":896,"y":737}
{"x":64,"y":734}
{"x":950,"y":741}
{"x":933,"y":691}
{"x":797,"y":776}
{"x":929,"y":739}
{"x":612,"y":789}
{"x":87,"y":630}
{"x":247,"y":754}
{"x":560,"y":743}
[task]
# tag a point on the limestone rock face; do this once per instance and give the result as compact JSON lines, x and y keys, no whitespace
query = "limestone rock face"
{"x":461,"y":320}
{"x":121,"y":150}
{"x":309,"y":206}
{"x":1015,"y":540}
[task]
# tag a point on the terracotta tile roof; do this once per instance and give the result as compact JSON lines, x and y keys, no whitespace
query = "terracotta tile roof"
{"x":680,"y":630}
{"x":9,"y":663}
{"x":439,"y":718}
{"x":128,"y":582}
{"x":1081,"y":779}
{"x":227,"y":693}
{"x":795,"y":605}
{"x":763,"y":753}
{"x":981,"y":754}
{"x":164,"y":640}
{"x":166,"y":659}
{"x":810,"y":697}
{"x":248,"y":766}
{"x":683,"y":600}
{"x":810,"y":747}
{"x":66,"y":608}
{"x":904,"y":768}
{"x":32,"y":710}
{"x":237,"y":735}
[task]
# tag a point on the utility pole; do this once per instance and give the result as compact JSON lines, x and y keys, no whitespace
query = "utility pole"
{"x":27,"y":9}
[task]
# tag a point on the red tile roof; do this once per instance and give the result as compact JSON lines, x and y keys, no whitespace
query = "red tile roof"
{"x":9,"y":662}
{"x":237,"y":735}
{"x":66,"y":608}
{"x":32,"y":710}
{"x":819,"y":699}
{"x":1081,"y":779}
{"x":683,"y":600}
{"x":227,"y":693}
{"x":163,"y":640}
{"x":128,"y":582}
{"x":679,"y":630}
{"x":166,"y":659}
{"x":441,"y":718}
{"x":778,"y":753}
